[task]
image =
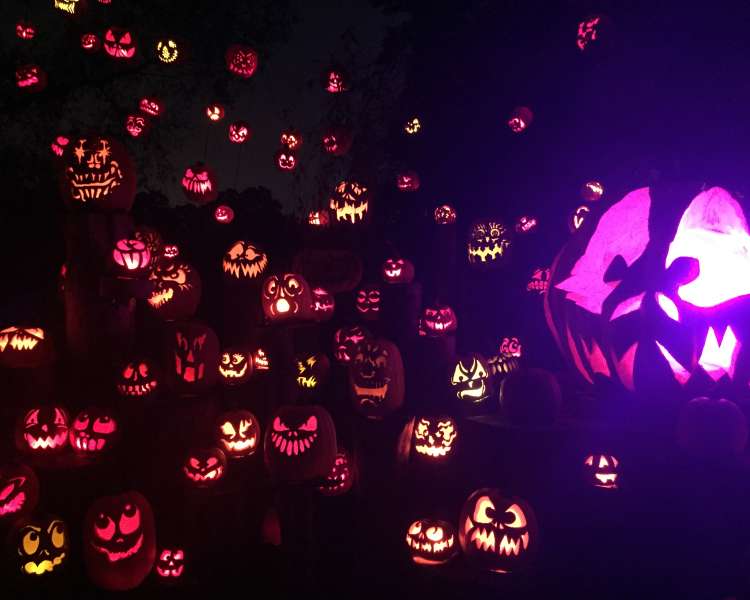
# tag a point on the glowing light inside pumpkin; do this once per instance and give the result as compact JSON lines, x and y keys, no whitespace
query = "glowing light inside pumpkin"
{"x":224,"y":214}
{"x":666,"y":304}
{"x":628,"y":305}
{"x":719,"y":359}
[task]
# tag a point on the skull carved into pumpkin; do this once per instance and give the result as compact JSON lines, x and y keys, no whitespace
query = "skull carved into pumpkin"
{"x":177,"y":290}
{"x":170,"y":563}
{"x":244,"y":260}
{"x":437,"y":320}
{"x":431,"y":541}
{"x":376,"y":378}
{"x":40,"y":545}
{"x":137,"y":379}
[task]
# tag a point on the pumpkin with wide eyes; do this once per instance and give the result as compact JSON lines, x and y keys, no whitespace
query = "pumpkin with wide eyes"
{"x":497,"y":533}
{"x":431,"y":541}
{"x":235,"y":366}
{"x":170,"y":564}
{"x":241,"y":60}
{"x":167,"y":51}
{"x":434,"y":437}
{"x":119,"y":43}
{"x":601,"y":470}
{"x":31,"y":78}
{"x":22,"y":347}
{"x":193,"y":349}
{"x":99,"y":174}
{"x":507,"y":358}
{"x":367,"y":302}
{"x":43,"y":430}
{"x":131,"y":255}
{"x":19,"y":490}
{"x":408,"y":181}
{"x":340,"y":478}
{"x":346,"y":340}
{"x":40,"y":545}
{"x":205,"y":466}
{"x":445,"y":215}
{"x":397,"y":270}
{"x":323,"y":304}
{"x":349,"y":202}
{"x":200,"y":184}
{"x":90,"y":42}
{"x":239,"y":132}
{"x":471,"y":379}
{"x":238,"y":433}
{"x":244,"y":260}
{"x":520,"y":119}
{"x":437,"y":320}
{"x":376,"y":378}
{"x":137,"y":379}
{"x":312,"y":370}
{"x":94,"y":430}
{"x":336,"y":81}
{"x":300,"y":443}
{"x":290,"y":139}
{"x":136,"y":125}
{"x":119,"y":541}
{"x":67,"y":6}
{"x":285,"y":160}
{"x":489,"y":243}
{"x":337,"y":141}
{"x":177,"y":290}
{"x":171,"y":251}
{"x":286,"y":297}
{"x":151,"y":106}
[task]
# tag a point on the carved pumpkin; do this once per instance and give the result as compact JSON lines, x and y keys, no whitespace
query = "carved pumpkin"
{"x":539,"y":281}
{"x":25,"y":30}
{"x":413,"y":126}
{"x":445,"y":215}
{"x":19,"y":490}
{"x":658,"y":309}
{"x":67,"y":6}
{"x":204,"y":467}
{"x":471,"y":379}
{"x":244,"y":260}
{"x":434,"y":437}
{"x":291,"y":139}
{"x":241,"y":60}
{"x":239,"y":132}
{"x":94,"y":430}
{"x":497,"y":533}
{"x":100,"y":174}
{"x":22,"y":347}
{"x":592,"y":191}
{"x":520,"y":119}
{"x":712,"y":427}
{"x":336,"y":81}
{"x":119,"y":541}
{"x":136,"y":125}
{"x":235,"y":366}
{"x":170,"y":564}
{"x":40,"y":545}
{"x":437,"y":320}
{"x":323,"y":304}
{"x":151,"y":106}
{"x":171,"y":251}
{"x":215,"y":112}
{"x":137,"y":379}
{"x":507,"y":358}
{"x":346,"y":340}
{"x":193,"y":349}
{"x":431,"y":541}
{"x":285,"y":160}
{"x":119,"y":43}
{"x":376,"y":378}
{"x":367,"y":302}
{"x":286,"y":297}
{"x":589,"y":31}
{"x":578,"y":217}
{"x":312,"y":370}
{"x":58,"y":146}
{"x":525,"y":224}
{"x":131,"y":255}
{"x":408,"y":181}
{"x":318,"y":218}
{"x":340,"y":478}
{"x":349,"y":202}
{"x":43,"y":430}
{"x":337,"y":141}
{"x":238,"y":433}
{"x":600,"y":470}
{"x":397,"y":270}
{"x":261,"y":362}
{"x":167,"y":51}
{"x":31,"y":78}
{"x":300,"y":443}
{"x":90,"y":42}
{"x":200,"y":184}
{"x":177,"y":290}
{"x":489,"y":243}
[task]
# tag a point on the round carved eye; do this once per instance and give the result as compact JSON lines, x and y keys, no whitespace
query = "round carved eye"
{"x":143,"y":369}
{"x":82,"y":422}
{"x":57,"y":534}
{"x":30,"y":542}
{"x":225,"y":360}
{"x":292,"y":286}
{"x":179,"y":555}
{"x":165,"y":555}
{"x":515,"y":517}
{"x":250,"y":253}
{"x":130,"y":520}
{"x":271,"y":287}
{"x":434,"y":534}
{"x":415,"y":528}
{"x":494,"y":232}
{"x":484,"y":510}
{"x":104,"y":527}
{"x":105,"y":425}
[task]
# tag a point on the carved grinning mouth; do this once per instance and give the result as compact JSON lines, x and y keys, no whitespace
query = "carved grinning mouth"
{"x":230,"y":373}
{"x":160,"y":297}
{"x":371,"y":395}
{"x":486,"y":252}
{"x":88,"y":444}
{"x":473,"y":391}
{"x":239,"y":445}
{"x":138,"y":389}
{"x":424,"y":545}
{"x":66,"y":5}
{"x":245,"y":268}
{"x":196,"y":186}
{"x":393,"y":272}
{"x":117,"y":556}
{"x":484,"y":538}
{"x":607,"y":480}
{"x":432,"y":450}
{"x":45,"y":566}
{"x":43,"y":443}
{"x":349,"y":212}
{"x":211,"y":475}
{"x":18,"y":341}
{"x":307,"y":382}
{"x":86,"y":186}
{"x":293,"y":446}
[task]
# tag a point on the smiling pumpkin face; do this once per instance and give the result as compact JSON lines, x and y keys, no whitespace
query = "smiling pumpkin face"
{"x":244,"y":260}
{"x":238,"y":433}
{"x":601,"y":470}
{"x":235,"y":366}
{"x":431,"y":541}
{"x":488,"y":243}
{"x":43,"y":430}
{"x":41,"y":545}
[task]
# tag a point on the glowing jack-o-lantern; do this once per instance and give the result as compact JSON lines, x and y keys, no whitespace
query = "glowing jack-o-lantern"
{"x":171,"y":251}
{"x":215,"y":112}
{"x":241,"y":60}
{"x":235,"y":366}
{"x":434,"y":437}
{"x":167,"y":51}
{"x":90,"y":42}
{"x":507,"y":358}
{"x":238,"y":433}
{"x":601,"y":470}
{"x":290,"y":139}
{"x":285,"y":160}
{"x":539,"y":281}
{"x":177,"y":290}
{"x":471,"y":379}
{"x":346,"y":340}
{"x":136,"y":125}
{"x":119,"y":541}
{"x":520,"y":119}
{"x":300,"y":443}
{"x":323,"y":304}
{"x":31,"y":78}
{"x":591,"y":191}
{"x":40,"y":545}
{"x":335,"y":81}
{"x":318,"y":218}
{"x":408,"y":181}
{"x":436,"y":321}
{"x":312,"y":370}
{"x":340,"y":478}
{"x":170,"y":564}
{"x":261,"y":362}
{"x":413,"y":126}
{"x":286,"y":297}
{"x":376,"y":378}
{"x":525,"y":224}
{"x":58,"y":146}
{"x":658,"y":308}
{"x":337,"y":141}
{"x":397,"y":270}
{"x":431,"y":541}
{"x":223,"y":214}
{"x":151,"y":106}
{"x":349,"y":202}
{"x":193,"y":349}
{"x":445,"y":215}
{"x":204,"y":467}
{"x":24,"y":347}
{"x":589,"y":31}
{"x":239,"y":132}
{"x":43,"y":430}
{"x":67,"y":6}
{"x":137,"y":379}
{"x":19,"y":490}
{"x":132,"y":256}
{"x":199,"y":184}
{"x":497,"y":533}
{"x":244,"y":260}
{"x":367,"y":302}
{"x":94,"y":430}
{"x":489,"y":243}
{"x":25,"y":30}
{"x":119,"y":43}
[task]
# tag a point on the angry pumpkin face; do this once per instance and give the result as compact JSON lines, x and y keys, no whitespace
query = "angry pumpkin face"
{"x":438,"y":320}
{"x":170,"y":563}
{"x":204,"y":466}
{"x":471,"y":379}
{"x":200,"y":184}
{"x":98,"y":173}
{"x":349,"y":202}
{"x":137,"y":379}
{"x":435,"y":437}
{"x":431,"y":541}
{"x":24,"y":347}
{"x":244,"y":260}
{"x":238,"y":433}
{"x":177,"y":290}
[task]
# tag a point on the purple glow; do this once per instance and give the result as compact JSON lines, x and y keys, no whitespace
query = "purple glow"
{"x":668,"y":307}
{"x":719,"y":359}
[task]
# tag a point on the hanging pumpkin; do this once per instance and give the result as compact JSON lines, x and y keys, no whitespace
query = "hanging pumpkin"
{"x":200,"y":184}
{"x":312,"y":370}
{"x":19,"y":490}
{"x":376,"y":378}
{"x":31,"y":78}
{"x":489,"y":243}
{"x":323,"y":304}
{"x":215,"y":112}
{"x":235,"y":366}
{"x":204,"y":467}
{"x":136,"y":125}
{"x":90,"y":42}
{"x":150,"y":106}
{"x":177,"y":290}
{"x":346,"y":341}
{"x":445,"y":215}
{"x":167,"y":51}
{"x":238,"y":433}
{"x":397,"y":270}
{"x":193,"y":349}
{"x":137,"y":379}
{"x":437,"y":320}
{"x":291,"y":139}
{"x":244,"y":260}
{"x":241,"y":60}
{"x":601,"y":470}
{"x":239,"y":132}
{"x":119,"y":541}
{"x":22,"y":347}
{"x":520,"y":119}
{"x":413,"y":126}
{"x":350,"y":202}
{"x":337,"y":141}
{"x":367,"y":302}
{"x":497,"y":533}
{"x":286,"y":297}
{"x":408,"y":181}
{"x":40,"y":545}
{"x":471,"y":379}
{"x":119,"y":43}
{"x":131,"y":255}
{"x":43,"y":430}
{"x":170,"y":564}
{"x":300,"y":443}
{"x":434,"y":437}
{"x":340,"y":478}
{"x":431,"y":541}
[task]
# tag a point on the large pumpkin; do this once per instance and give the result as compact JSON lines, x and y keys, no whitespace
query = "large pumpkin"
{"x":191,"y":356}
{"x":653,"y":294}
{"x":376,"y":378}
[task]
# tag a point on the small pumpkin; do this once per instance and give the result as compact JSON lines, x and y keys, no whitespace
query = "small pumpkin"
{"x":204,"y":467}
{"x":431,"y":541}
{"x":238,"y":433}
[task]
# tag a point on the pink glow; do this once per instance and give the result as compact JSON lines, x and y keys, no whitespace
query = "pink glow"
{"x":625,"y":365}
{"x":577,"y":357}
{"x":719,"y":359}
{"x":627,"y":306}
{"x":596,"y":358}
{"x":681,"y":374}
{"x":714,"y":231}
{"x":668,"y":307}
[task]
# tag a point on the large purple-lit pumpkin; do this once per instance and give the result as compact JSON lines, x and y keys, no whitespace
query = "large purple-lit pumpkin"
{"x":653,"y":292}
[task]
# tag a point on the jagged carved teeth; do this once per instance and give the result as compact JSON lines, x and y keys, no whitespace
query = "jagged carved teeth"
{"x":89,"y":444}
{"x":160,"y":297}
{"x":249,"y":270}
{"x":292,"y":447}
{"x":484,"y":539}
